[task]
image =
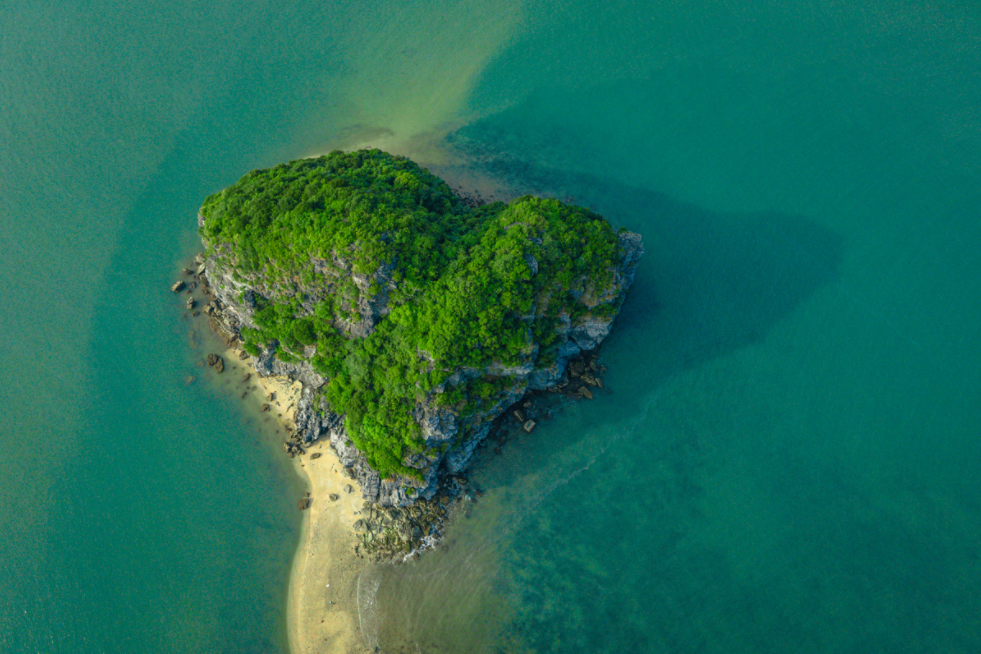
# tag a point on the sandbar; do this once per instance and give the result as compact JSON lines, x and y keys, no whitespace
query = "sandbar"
{"x":322,"y":610}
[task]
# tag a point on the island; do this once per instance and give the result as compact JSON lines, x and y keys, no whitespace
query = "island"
{"x":412,"y":317}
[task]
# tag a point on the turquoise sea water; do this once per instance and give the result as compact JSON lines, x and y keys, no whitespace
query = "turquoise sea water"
{"x":788,"y":453}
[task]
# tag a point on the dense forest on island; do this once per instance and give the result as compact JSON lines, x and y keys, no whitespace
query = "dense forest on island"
{"x":371,"y":239}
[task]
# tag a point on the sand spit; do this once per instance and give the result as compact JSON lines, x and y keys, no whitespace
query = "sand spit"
{"x":322,"y":610}
{"x":322,"y":602}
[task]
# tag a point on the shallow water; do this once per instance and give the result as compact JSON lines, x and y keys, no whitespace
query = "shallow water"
{"x":787,"y":455}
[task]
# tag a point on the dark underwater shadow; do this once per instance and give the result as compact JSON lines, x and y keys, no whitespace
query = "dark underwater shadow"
{"x":710,"y":283}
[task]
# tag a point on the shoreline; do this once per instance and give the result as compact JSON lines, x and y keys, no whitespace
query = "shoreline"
{"x":404,"y":514}
{"x":319,"y":618}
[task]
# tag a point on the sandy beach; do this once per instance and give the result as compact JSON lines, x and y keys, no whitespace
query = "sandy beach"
{"x":322,"y":611}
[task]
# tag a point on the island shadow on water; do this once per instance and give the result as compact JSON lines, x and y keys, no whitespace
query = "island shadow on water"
{"x":711,"y":284}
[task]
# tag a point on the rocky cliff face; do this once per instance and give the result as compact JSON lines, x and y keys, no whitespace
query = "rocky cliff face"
{"x":450,"y":434}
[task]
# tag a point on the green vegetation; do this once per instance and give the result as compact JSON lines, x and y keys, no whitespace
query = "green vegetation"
{"x":326,"y":237}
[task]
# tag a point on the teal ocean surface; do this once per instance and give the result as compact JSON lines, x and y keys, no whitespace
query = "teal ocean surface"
{"x":787,"y":454}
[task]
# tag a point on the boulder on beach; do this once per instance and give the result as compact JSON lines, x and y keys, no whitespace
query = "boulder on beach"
{"x":216,"y":362}
{"x":178,"y":286}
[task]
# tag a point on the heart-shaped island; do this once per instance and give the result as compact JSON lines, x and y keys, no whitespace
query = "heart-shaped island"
{"x":412,"y":318}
